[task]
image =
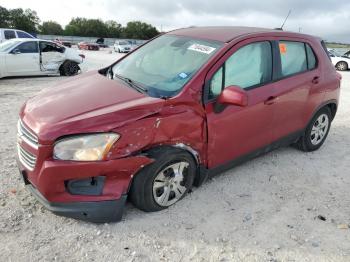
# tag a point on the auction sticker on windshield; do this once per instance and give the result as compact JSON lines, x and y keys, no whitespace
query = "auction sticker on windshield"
{"x":201,"y":48}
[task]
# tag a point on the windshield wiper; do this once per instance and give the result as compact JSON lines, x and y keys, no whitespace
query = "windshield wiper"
{"x":132,"y":83}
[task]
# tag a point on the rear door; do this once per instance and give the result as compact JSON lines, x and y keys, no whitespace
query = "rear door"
{"x":52,"y":56}
{"x":23,"y":59}
{"x":299,"y":77}
{"x":235,"y":131}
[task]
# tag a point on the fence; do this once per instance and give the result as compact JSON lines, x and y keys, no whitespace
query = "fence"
{"x":77,"y":39}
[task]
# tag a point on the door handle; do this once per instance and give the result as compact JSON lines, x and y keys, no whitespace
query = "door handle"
{"x":271,"y":100}
{"x":316,"y":80}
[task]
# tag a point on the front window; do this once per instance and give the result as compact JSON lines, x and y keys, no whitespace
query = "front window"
{"x":249,"y":67}
{"x":166,"y":64}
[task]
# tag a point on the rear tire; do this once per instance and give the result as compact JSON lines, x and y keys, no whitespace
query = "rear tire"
{"x":165,"y":181}
{"x":69,"y":68}
{"x":316,"y":132}
{"x":342,"y":66}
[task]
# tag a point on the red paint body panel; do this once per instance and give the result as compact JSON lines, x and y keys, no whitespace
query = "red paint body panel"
{"x":92,"y":103}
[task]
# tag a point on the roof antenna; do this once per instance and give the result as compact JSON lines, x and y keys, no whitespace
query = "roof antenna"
{"x":285,"y":20}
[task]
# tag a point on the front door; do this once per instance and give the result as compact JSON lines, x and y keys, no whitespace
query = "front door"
{"x":235,"y":131}
{"x":23,"y":59}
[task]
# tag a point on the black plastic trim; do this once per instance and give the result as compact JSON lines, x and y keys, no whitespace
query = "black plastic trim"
{"x":96,"y":212}
{"x":92,"y":186}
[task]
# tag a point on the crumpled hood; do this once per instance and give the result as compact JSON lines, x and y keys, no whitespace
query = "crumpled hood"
{"x":83,"y":104}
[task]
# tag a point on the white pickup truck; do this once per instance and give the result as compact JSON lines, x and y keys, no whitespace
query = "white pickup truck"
{"x":7,"y":34}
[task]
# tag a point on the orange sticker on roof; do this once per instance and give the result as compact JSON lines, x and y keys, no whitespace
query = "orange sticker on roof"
{"x":283,"y":48}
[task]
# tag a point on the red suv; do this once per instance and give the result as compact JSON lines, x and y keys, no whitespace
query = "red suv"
{"x":181,"y":108}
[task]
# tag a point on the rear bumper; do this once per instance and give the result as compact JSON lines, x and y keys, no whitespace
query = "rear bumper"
{"x":96,"y":212}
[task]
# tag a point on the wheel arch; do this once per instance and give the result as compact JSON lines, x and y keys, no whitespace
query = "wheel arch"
{"x":179,"y":146}
{"x":332,"y":105}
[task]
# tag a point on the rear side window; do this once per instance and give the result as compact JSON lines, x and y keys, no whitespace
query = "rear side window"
{"x":293,"y":57}
{"x":21,"y":34}
{"x":249,"y":67}
{"x":28,"y":47}
{"x":311,"y":58}
{"x":9,"y":34}
{"x":50,"y":47}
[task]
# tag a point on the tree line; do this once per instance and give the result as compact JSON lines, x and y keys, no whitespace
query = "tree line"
{"x":28,"y":20}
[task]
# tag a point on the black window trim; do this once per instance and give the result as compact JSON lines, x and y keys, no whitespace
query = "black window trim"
{"x":206,"y":90}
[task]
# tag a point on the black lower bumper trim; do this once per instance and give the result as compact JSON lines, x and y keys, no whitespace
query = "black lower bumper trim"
{"x":96,"y":212}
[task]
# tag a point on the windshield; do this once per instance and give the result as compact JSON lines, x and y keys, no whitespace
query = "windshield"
{"x":166,"y":64}
{"x":335,"y":53}
{"x":6,"y":46}
{"x":123,"y":43}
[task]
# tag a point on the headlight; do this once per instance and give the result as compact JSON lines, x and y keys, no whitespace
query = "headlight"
{"x":85,"y":147}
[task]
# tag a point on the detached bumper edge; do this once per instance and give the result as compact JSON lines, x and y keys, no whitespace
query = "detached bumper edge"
{"x":96,"y":212}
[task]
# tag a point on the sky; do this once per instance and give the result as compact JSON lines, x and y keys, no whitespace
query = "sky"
{"x":329,"y":19}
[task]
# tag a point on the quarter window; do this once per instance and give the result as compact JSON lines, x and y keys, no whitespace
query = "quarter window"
{"x":250,"y":66}
{"x":9,"y":34}
{"x":293,"y":57}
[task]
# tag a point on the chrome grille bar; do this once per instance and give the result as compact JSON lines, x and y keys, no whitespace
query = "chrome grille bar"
{"x":26,"y":158}
{"x":27,"y":136}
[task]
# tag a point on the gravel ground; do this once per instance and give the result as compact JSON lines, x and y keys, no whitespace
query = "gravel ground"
{"x":283,"y":206}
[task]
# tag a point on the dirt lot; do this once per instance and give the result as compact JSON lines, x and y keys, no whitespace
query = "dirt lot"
{"x":264,"y":210}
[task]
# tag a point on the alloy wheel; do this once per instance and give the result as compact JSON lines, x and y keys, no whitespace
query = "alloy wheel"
{"x":319,"y":129}
{"x":169,"y":184}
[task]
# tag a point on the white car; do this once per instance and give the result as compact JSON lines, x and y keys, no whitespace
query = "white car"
{"x":340,"y":62}
{"x":122,"y":46}
{"x":24,"y":57}
{"x":7,"y":34}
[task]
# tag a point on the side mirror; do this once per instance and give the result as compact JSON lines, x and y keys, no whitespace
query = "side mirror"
{"x":233,"y":95}
{"x":15,"y":52}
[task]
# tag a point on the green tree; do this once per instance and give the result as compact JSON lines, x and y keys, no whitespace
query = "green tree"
{"x":86,"y":27}
{"x":4,"y":17}
{"x":26,"y":20}
{"x":51,"y":28}
{"x":139,"y":30}
{"x":114,"y":29}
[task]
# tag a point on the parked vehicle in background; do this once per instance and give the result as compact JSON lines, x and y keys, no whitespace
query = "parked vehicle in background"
{"x":88,"y":46}
{"x":101,"y":43}
{"x":347,"y":54}
{"x":64,"y":43}
{"x":183,"y":107}
{"x":24,"y":57}
{"x":341,"y":62}
{"x":122,"y":46}
{"x":7,"y":34}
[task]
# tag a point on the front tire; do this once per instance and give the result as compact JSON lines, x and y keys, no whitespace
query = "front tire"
{"x":165,"y":181}
{"x":316,"y":132}
{"x":342,"y":66}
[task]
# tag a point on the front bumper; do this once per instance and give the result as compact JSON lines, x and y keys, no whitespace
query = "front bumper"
{"x":96,"y":212}
{"x":48,"y":183}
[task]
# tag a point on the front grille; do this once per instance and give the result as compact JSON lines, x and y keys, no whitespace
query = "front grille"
{"x":26,"y":135}
{"x":26,"y":158}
